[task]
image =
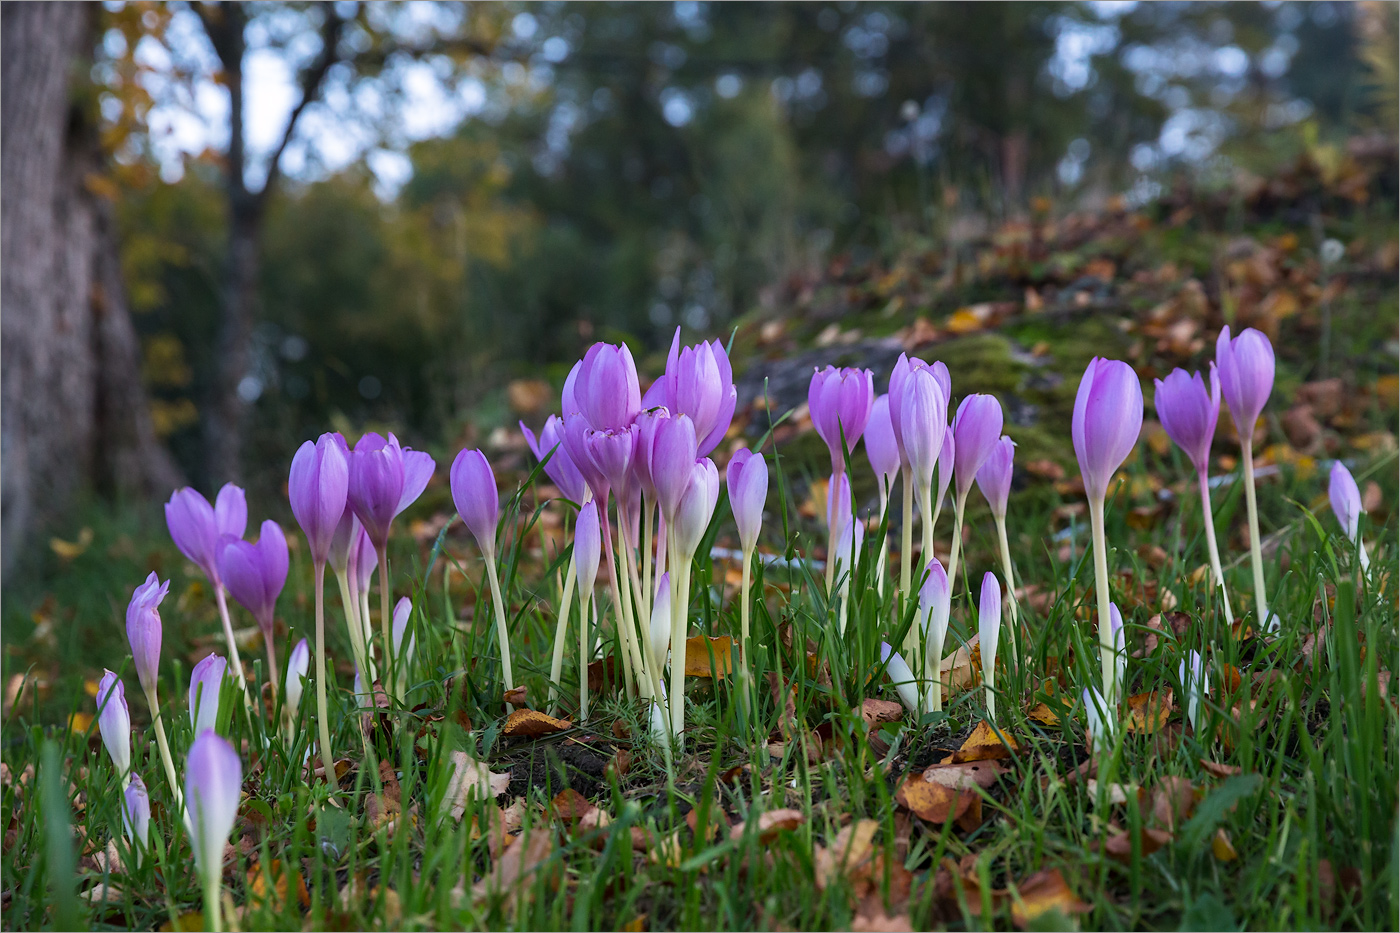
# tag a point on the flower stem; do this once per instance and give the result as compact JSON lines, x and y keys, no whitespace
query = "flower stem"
{"x":745,"y":673}
{"x":1256,"y":551}
{"x":680,"y":598}
{"x":1214,"y":549}
{"x":636,"y":622}
{"x":911,"y":640}
{"x":213,"y":910}
{"x":906,"y":530}
{"x":221,"y":598}
{"x":631,"y":662}
{"x":1107,"y":656}
{"x":354,"y":628}
{"x":385,"y":630}
{"x":648,"y":517}
{"x":507,"y":672}
{"x":556,"y":664}
{"x":884,"y":543}
{"x":583,"y":654}
{"x":323,"y":721}
{"x":163,"y":746}
{"x":956,"y":549}
{"x":1009,"y":574}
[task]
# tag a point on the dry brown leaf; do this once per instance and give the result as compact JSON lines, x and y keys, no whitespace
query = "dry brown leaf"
{"x":1148,"y":712}
{"x":519,"y":859}
{"x":849,"y":851}
{"x":569,"y":806}
{"x":770,"y":823}
{"x":965,"y":775}
{"x":698,"y":656}
{"x":935,"y":803}
{"x":531,"y":723}
{"x":471,"y":778}
{"x":984,"y":743}
{"x":1173,"y":799}
{"x":517,"y":697}
{"x":1219,"y":770}
{"x":1120,"y":846}
{"x":269,"y":887}
{"x":1041,"y":893}
{"x":877,"y":711}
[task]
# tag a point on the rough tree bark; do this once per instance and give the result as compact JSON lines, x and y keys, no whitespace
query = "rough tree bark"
{"x":74,"y":414}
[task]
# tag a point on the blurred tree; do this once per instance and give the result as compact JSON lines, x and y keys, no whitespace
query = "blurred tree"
{"x":75,"y":414}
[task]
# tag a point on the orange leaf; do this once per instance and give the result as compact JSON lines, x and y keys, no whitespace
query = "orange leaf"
{"x":1148,"y":712}
{"x":770,"y":823}
{"x":1041,"y":893}
{"x":570,"y":806}
{"x":697,"y":656}
{"x":1223,"y":849}
{"x":531,"y":723}
{"x":985,"y":742}
{"x":965,"y":775}
{"x":933,"y":802}
{"x":1120,"y":847}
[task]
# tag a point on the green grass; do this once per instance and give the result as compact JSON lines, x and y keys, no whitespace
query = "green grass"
{"x":1316,"y":748}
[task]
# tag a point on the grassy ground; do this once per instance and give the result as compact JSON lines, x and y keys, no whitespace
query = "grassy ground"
{"x":1278,"y":811}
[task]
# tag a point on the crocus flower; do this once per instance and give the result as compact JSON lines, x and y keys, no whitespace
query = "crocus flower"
{"x":385,"y":479}
{"x":403,"y":609}
{"x":880,"y":447}
{"x":1188,"y":412}
{"x":935,"y":608}
{"x":839,"y":401}
{"x":136,"y":816}
{"x":924,"y":416}
{"x":696,"y":506}
{"x":1346,"y":505}
{"x":901,"y":676}
{"x":658,"y":643}
{"x":903,"y":368}
{"x":976,"y":430}
{"x":558,"y":465}
{"x":606,"y":389}
{"x":143,"y":630}
{"x":255,"y":573}
{"x":114,"y":722}
{"x":686,"y":528}
{"x":1105,"y":427}
{"x":1106,"y":423}
{"x":838,"y":502}
{"x":1118,"y":638}
{"x":947,"y":457}
{"x":611,"y":453}
{"x":673,"y":454}
{"x":196,"y":526}
{"x":1246,"y":367}
{"x":698,"y":383}
{"x":1195,"y":684}
{"x":994,"y":478}
{"x":989,"y":632}
{"x":213,"y":782}
{"x":1099,"y":721}
{"x":747,"y":479}
{"x":317,"y":487}
{"x":474,"y":492}
{"x":588,"y":546}
{"x":206,"y":681}
{"x":845,"y":558}
{"x":297,"y":666}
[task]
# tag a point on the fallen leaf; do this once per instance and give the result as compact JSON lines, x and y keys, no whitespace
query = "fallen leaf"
{"x":770,"y":823}
{"x":965,"y":775}
{"x":471,"y":778}
{"x":934,"y":803}
{"x":698,"y":661}
{"x":1041,"y":893}
{"x":1219,"y":770}
{"x":268,"y":887}
{"x":1120,"y":847}
{"x":876,"y":711}
{"x":191,"y":921}
{"x":569,"y":806}
{"x":1173,"y":799}
{"x":850,"y":850}
{"x":881,"y":922}
{"x":1117,"y":794}
{"x":636,"y":925}
{"x":517,"y":697}
{"x":519,"y":859}
{"x":1221,"y":846}
{"x":1148,"y":712}
{"x":531,"y":723}
{"x":984,"y":743}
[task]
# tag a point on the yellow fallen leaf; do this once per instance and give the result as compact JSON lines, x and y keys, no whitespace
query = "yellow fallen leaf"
{"x":698,"y":656}
{"x":1041,"y":893}
{"x":1221,"y":846}
{"x":79,"y":722}
{"x":1148,"y":712}
{"x":531,"y":723}
{"x":984,"y":742}
{"x":71,"y":549}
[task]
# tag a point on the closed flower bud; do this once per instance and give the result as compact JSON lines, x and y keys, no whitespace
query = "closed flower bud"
{"x":839,"y":401}
{"x":1106,"y":423}
{"x":994,"y":479}
{"x":143,"y":630}
{"x":114,"y":722}
{"x":206,"y":682}
{"x":1189,"y":411}
{"x":976,"y":429}
{"x":747,"y":479}
{"x":1246,"y":365}
{"x":196,"y":526}
{"x":474,"y":492}
{"x":297,"y":666}
{"x":213,"y":782}
{"x":317,"y":487}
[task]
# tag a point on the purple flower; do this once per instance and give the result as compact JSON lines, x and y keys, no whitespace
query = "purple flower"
{"x":898,"y":378}
{"x":213,"y":782}
{"x":364,"y":560}
{"x":880,"y":447}
{"x":994,"y":479}
{"x":1188,"y":412}
{"x":697,"y":506}
{"x":947,"y":458}
{"x":136,"y":813}
{"x":1346,"y":499}
{"x":1107,"y":421}
{"x":611,"y":453}
{"x":317,"y":488}
{"x":588,"y":545}
{"x":385,"y":479}
{"x":924,"y":415}
{"x":606,"y":389}
{"x":346,"y":531}
{"x":143,"y":630}
{"x":558,"y":465}
{"x":838,"y":502}
{"x":196,"y":526}
{"x":114,"y":721}
{"x":478,"y":502}
{"x":699,"y":384}
{"x":297,"y":666}
{"x":576,"y":442}
{"x":989,"y":633}
{"x":1117,"y":637}
{"x":840,"y":401}
{"x":747,"y":479}
{"x":1246,"y":376}
{"x":255,"y":573}
{"x":644,"y":438}
{"x":673,"y":454}
{"x":935,"y":608}
{"x":901,"y":676}
{"x":206,"y":681}
{"x":403,"y":610}
{"x":976,"y":429}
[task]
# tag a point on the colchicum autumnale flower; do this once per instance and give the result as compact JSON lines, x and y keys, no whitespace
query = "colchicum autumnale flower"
{"x":198,"y":530}
{"x":213,"y":783}
{"x":935,"y":608}
{"x":114,"y":722}
{"x":976,"y":428}
{"x":1345,"y":497}
{"x":143,"y":630}
{"x":474,"y":493}
{"x":1246,"y":365}
{"x":989,"y":632}
{"x":206,"y":681}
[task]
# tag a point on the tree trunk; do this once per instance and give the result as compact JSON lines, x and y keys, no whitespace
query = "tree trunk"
{"x":74,"y":412}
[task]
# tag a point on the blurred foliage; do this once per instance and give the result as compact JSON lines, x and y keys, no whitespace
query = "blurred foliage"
{"x":625,"y":168}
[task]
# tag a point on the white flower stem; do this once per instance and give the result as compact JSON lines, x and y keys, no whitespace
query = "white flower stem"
{"x":884,"y":543}
{"x":933,"y":675}
{"x":1107,"y":656}
{"x":323,"y":721}
{"x":956,"y":549}
{"x":1008,"y":572}
{"x":213,"y":910}
{"x":583,"y":653}
{"x":648,"y":519}
{"x":163,"y":746}
{"x":507,"y":671}
{"x":556,"y":664}
{"x":680,"y":604}
{"x":354,"y":627}
{"x":619,"y":619}
{"x":906,"y":530}
{"x":221,"y":598}
{"x":745,"y":674}
{"x":391,"y":673}
{"x":1256,"y":551}
{"x":1214,"y":549}
{"x":636,"y":622}
{"x":911,"y":640}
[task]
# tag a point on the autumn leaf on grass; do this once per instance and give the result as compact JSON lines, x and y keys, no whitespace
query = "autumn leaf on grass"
{"x":698,"y":652}
{"x":1219,"y":770}
{"x":769,"y":824}
{"x":849,"y":851}
{"x":878,"y":711}
{"x":933,"y":802}
{"x":512,"y":870}
{"x":1119,"y":847}
{"x":471,"y":778}
{"x":986,"y":741}
{"x":1148,"y":712}
{"x":569,"y":806}
{"x":1221,"y":846}
{"x":531,"y":724}
{"x":1049,"y":714}
{"x":272,"y":893}
{"x":1041,"y":893}
{"x":1173,"y":799}
{"x":965,"y":775}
